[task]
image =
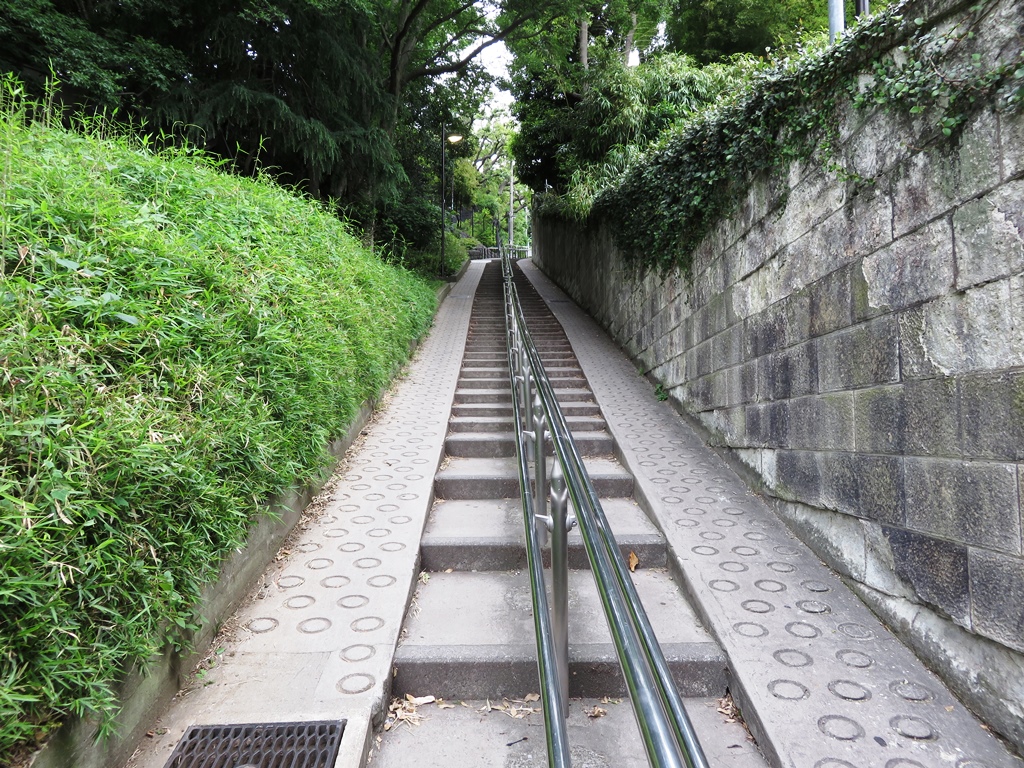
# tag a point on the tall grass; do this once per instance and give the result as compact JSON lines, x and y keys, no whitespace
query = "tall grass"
{"x":176,"y":345}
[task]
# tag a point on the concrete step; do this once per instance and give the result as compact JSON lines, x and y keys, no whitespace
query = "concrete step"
{"x":471,"y":635}
{"x":502,"y":382}
{"x":496,"y":444}
{"x":474,"y":410}
{"x":483,"y":410}
{"x":483,"y":478}
{"x":511,"y":733}
{"x":487,"y":535}
{"x":480,"y":372}
{"x":476,"y":395}
{"x":504,"y":423}
{"x":466,"y":382}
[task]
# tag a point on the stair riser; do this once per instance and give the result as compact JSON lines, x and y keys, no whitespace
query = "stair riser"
{"x":511,"y":672}
{"x":458,"y":487}
{"x":495,"y":555}
{"x":467,"y":445}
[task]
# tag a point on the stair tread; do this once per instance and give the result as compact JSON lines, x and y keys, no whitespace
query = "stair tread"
{"x":494,"y":609}
{"x":506,"y":467}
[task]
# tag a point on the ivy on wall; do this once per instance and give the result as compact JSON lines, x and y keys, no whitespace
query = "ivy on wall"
{"x":667,"y":204}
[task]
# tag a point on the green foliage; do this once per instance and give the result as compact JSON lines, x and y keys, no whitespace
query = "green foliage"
{"x":667,"y":204}
{"x":714,"y":30}
{"x":621,"y":113}
{"x":176,"y":345}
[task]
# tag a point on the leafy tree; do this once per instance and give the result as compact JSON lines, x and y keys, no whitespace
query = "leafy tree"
{"x":713,"y":30}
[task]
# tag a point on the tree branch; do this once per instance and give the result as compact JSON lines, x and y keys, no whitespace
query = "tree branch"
{"x":461,"y":64}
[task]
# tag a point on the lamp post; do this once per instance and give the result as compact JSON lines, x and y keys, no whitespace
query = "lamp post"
{"x":453,"y":138}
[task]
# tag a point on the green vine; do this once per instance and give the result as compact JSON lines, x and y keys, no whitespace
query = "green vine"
{"x":665,"y":205}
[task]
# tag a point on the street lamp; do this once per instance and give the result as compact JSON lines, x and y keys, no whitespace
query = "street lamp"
{"x":453,"y":138}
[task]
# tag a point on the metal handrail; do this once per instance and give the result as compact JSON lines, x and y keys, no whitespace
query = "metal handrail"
{"x":554,"y":699}
{"x":668,"y":735}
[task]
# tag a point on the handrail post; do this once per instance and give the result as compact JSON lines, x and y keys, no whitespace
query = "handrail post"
{"x":540,"y":486}
{"x":560,"y":526}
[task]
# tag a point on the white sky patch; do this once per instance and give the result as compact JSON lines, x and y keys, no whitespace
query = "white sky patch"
{"x":496,"y":59}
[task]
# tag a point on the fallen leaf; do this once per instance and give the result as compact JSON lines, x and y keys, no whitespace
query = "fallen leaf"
{"x":634,"y":561}
{"x":531,"y":697}
{"x":610,"y":700}
{"x":418,"y":700}
{"x":596,"y":712}
{"x":486,"y":707}
{"x":949,"y":709}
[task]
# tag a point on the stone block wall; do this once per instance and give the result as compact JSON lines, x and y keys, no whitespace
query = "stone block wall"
{"x":859,"y":346}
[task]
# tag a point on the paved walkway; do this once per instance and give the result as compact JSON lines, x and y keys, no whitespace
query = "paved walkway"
{"x":821,"y":682}
{"x":317,"y":643}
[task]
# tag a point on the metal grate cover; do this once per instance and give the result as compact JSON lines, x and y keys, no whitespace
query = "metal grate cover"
{"x":259,"y":745}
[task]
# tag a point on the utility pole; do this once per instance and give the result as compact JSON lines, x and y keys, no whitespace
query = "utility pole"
{"x":511,"y":199}
{"x":836,"y":19}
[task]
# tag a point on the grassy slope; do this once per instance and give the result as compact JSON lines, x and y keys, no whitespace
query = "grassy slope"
{"x":175,"y":345}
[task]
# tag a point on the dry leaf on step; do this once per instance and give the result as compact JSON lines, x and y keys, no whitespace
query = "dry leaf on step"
{"x":634,"y":561}
{"x":531,"y":697}
{"x":418,"y":700}
{"x":596,"y":712}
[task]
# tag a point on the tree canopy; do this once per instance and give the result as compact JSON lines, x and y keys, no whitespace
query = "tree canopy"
{"x":344,"y":98}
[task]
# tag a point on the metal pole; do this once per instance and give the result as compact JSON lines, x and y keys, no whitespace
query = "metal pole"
{"x":836,"y":19}
{"x":540,"y":485}
{"x":443,"y":142}
{"x":511,"y":200}
{"x":863,"y":8}
{"x":560,"y":577}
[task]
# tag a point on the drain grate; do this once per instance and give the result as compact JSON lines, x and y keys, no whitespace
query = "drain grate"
{"x":259,"y":745}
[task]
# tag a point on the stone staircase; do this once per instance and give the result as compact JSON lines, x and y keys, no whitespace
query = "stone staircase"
{"x":468,"y":637}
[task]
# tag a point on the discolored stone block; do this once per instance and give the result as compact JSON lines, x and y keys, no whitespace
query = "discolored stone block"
{"x":861,"y":308}
{"x":757,"y":425}
{"x":821,"y":422}
{"x":870,"y":487}
{"x":935,"y":569}
{"x":976,"y":330}
{"x":922,"y":190}
{"x":748,"y":382}
{"x":915,"y":268}
{"x":831,"y":302}
{"x":993,"y":416}
{"x":989,"y":236}
{"x":968,"y":501}
{"x":788,"y":373}
{"x":997,"y":597}
{"x":864,"y":355}
{"x":881,"y":420}
{"x":932,"y":417}
{"x":727,"y":347}
{"x":1011,"y":136}
{"x":702,"y":359}
{"x":781,"y":325}
{"x":798,"y":477}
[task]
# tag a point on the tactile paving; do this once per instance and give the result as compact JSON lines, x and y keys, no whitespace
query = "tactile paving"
{"x":318,"y":641}
{"x":823,"y":683}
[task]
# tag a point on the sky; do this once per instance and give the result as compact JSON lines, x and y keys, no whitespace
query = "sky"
{"x":496,"y":59}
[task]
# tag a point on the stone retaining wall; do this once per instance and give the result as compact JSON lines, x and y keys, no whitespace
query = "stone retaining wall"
{"x":857,"y":343}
